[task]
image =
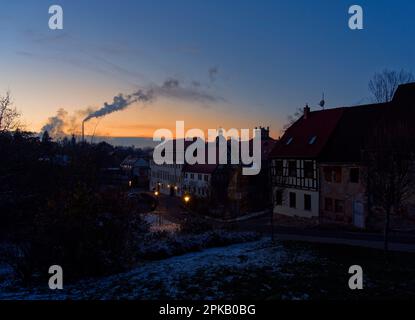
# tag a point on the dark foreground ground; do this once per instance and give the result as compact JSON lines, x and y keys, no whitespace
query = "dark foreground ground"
{"x":259,"y":270}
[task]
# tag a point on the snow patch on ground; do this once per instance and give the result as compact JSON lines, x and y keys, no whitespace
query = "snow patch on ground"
{"x":158,"y":223}
{"x":173,"y":277}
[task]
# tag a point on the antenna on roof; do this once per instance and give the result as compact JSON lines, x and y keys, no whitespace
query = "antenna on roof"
{"x":322,"y":102}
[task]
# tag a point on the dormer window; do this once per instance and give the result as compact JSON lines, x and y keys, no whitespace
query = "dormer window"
{"x":312,"y":140}
{"x":289,"y":141}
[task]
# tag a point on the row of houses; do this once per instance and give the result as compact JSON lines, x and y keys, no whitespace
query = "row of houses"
{"x":318,"y":171}
{"x":220,"y":184}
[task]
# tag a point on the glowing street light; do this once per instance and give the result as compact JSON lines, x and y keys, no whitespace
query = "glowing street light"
{"x":186,"y":199}
{"x":156,"y":193}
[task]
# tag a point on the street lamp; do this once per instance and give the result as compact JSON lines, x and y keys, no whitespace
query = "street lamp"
{"x":186,"y":199}
{"x":156,"y":193}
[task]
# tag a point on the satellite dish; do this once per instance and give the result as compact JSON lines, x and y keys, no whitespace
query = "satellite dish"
{"x":322,"y":102}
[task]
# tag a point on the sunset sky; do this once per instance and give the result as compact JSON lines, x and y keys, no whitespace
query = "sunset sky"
{"x":235,"y":63}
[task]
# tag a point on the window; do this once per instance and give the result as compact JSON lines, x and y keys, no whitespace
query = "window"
{"x":308,"y":169}
{"x":186,"y":175}
{"x":339,"y":206}
{"x":199,"y":176}
{"x":292,"y":168}
{"x":307,"y":202}
{"x":337,"y":174}
{"x":279,"y":167}
{"x":289,"y":141}
{"x":312,"y":140}
{"x":354,"y":175}
{"x":192,"y":176}
{"x":328,"y":204}
{"x":278,"y":198}
{"x":293,"y":200}
{"x":206,"y":178}
{"x":333,"y":174}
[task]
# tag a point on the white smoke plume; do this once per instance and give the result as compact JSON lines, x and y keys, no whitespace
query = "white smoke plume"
{"x":121,"y":102}
{"x":56,"y":124}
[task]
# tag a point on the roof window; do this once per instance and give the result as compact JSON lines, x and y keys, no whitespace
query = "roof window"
{"x":312,"y":140}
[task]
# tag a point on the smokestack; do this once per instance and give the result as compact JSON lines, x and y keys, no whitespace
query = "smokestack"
{"x":83,"y":131}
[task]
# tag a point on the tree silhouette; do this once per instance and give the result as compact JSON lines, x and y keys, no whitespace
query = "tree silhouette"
{"x":384,"y":84}
{"x":9,"y":116}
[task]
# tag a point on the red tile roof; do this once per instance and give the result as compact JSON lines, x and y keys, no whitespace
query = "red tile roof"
{"x":342,"y":133}
{"x":295,"y":143}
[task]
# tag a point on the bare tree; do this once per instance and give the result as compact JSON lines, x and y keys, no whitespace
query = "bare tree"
{"x":291,"y":119}
{"x":9,"y":116}
{"x":384,"y":84}
{"x":390,"y":158}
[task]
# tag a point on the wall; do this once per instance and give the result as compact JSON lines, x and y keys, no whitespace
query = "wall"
{"x":346,"y":191}
{"x":299,"y":210}
{"x":166,"y":177}
{"x":194,"y":185}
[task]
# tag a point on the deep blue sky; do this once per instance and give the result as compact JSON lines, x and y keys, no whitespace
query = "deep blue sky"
{"x":271,"y":56}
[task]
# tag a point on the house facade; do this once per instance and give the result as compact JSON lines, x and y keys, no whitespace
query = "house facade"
{"x":137,"y":171}
{"x":166,"y":179}
{"x":343,"y":194}
{"x":248,"y":194}
{"x":296,"y":187}
{"x":320,"y":169}
{"x":197,"y":179}
{"x":295,"y":171}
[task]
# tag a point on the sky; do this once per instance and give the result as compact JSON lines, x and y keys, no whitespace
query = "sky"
{"x":234,"y":64}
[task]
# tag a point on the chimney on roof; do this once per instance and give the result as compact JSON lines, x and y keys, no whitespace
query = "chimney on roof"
{"x":264,"y":132}
{"x":306,"y":111}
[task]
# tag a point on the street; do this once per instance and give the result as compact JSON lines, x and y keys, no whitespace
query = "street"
{"x":170,"y":209}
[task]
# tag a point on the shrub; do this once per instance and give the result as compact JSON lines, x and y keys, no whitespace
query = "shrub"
{"x":87,"y":233}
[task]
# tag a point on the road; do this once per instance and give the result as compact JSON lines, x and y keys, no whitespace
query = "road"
{"x":170,"y":208}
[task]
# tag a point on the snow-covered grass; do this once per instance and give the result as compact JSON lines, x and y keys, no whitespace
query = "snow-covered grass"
{"x":158,"y":223}
{"x":258,"y":269}
{"x":160,"y":245}
{"x":209,"y":274}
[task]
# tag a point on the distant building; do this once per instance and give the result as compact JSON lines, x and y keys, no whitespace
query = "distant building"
{"x":251,"y":193}
{"x":137,"y":170}
{"x":167,"y":178}
{"x":197,"y":179}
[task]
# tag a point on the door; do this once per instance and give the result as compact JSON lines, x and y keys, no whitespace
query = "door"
{"x":358,"y":215}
